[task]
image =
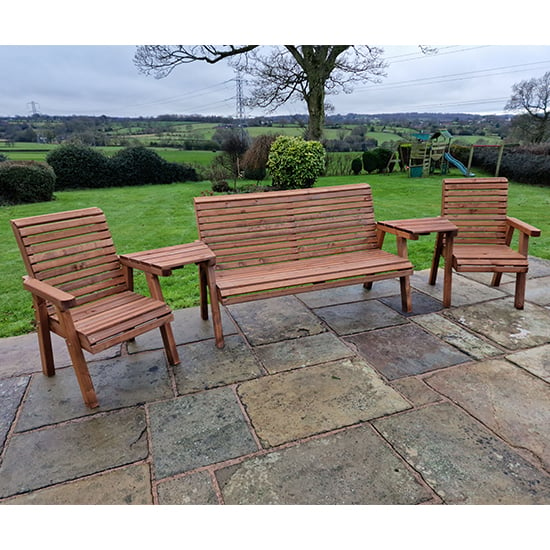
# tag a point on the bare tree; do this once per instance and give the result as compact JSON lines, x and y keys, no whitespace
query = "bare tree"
{"x":281,"y":73}
{"x":533,"y":97}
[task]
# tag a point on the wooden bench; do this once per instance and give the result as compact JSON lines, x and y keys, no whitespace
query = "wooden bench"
{"x":284,"y":242}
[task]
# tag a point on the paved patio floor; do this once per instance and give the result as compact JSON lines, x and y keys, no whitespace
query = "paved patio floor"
{"x":328,"y":397}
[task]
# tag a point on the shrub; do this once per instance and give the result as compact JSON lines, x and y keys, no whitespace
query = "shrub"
{"x":255,"y":158}
{"x":383,"y":157}
{"x":295,"y":163}
{"x":356,"y":166}
{"x":370,"y":161}
{"x":136,"y":166}
{"x":25,"y":182}
{"x":77,"y":166}
{"x":3,"y":157}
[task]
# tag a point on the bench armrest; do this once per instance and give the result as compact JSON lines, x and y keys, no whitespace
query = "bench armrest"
{"x":59,"y":298}
{"x":394,"y":230}
{"x":529,"y":230}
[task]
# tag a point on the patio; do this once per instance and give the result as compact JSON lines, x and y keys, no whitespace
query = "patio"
{"x":328,"y":397}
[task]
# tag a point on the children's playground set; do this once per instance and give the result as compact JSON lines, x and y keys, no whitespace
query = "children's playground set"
{"x":430,"y":153}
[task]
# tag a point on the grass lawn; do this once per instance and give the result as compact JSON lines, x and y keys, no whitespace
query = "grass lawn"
{"x":147,"y":217}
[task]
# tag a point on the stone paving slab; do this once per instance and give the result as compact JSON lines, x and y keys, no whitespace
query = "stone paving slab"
{"x":11,"y":392}
{"x":204,"y":366}
{"x":347,"y":294}
{"x":192,"y":489}
{"x":421,"y":304}
{"x":129,"y":485}
{"x":275,"y":319}
{"x":502,"y":323}
{"x":350,"y":467}
{"x":187,"y":327}
{"x":416,"y":391}
{"x":296,"y":404}
{"x":538,"y":267}
{"x":119,"y":382}
{"x":21,"y":355}
{"x":535,"y":360}
{"x":357,"y":317}
{"x":461,"y":460}
{"x":465,"y":290}
{"x":521,"y":417}
{"x":45,"y":457}
{"x":405,"y":351}
{"x":457,"y":336}
{"x":303,"y":352}
{"x":198,"y":430}
{"x":536,"y":291}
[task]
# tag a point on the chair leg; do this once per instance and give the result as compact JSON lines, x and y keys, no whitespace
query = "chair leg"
{"x":169,"y":344}
{"x":406,"y":300}
{"x":44,"y":338}
{"x":519,"y":299}
{"x":82,"y":374}
{"x":495,"y":281}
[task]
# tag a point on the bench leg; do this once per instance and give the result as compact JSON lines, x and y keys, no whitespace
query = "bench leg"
{"x":44,"y":337}
{"x":169,"y":344}
{"x":435,"y":260}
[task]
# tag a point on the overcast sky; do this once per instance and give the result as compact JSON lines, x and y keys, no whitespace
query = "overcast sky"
{"x":465,"y":75}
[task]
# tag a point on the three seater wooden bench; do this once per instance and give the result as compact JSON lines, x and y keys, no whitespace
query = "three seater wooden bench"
{"x":284,"y":242}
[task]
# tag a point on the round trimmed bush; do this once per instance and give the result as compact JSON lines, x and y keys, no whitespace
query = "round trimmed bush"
{"x":26,"y":182}
{"x":356,"y":166}
{"x":295,"y":163}
{"x":79,"y":166}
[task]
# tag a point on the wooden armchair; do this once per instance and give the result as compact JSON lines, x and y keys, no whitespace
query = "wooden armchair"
{"x":82,"y":292}
{"x":477,"y":206}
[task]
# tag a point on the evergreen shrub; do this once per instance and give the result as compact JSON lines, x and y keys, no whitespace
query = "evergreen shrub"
{"x":26,"y":182}
{"x":295,"y":163}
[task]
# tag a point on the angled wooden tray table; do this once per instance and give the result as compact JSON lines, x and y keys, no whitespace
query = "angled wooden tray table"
{"x":414,"y":228}
{"x":162,"y":261}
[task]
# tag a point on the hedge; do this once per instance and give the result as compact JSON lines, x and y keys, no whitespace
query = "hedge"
{"x":80,"y":166}
{"x":26,"y":182}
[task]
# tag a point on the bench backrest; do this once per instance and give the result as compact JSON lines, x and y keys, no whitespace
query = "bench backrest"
{"x":478,"y":207}
{"x":277,"y":226}
{"x":72,"y":251}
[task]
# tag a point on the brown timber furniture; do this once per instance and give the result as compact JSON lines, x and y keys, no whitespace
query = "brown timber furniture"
{"x":81,"y":290}
{"x":285,"y":242}
{"x":478,"y":207}
{"x":413,"y":228}
{"x":162,"y":261}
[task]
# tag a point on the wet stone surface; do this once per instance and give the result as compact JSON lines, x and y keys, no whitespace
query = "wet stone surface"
{"x":39,"y":458}
{"x":192,"y":489}
{"x":310,"y":350}
{"x":11,"y":392}
{"x":461,"y":460}
{"x":535,"y":360}
{"x":351,"y":467}
{"x":119,"y":382}
{"x":359,"y":317}
{"x":204,"y":366}
{"x":197,"y":430}
{"x":275,"y":319}
{"x":521,"y":417}
{"x":501,"y":322}
{"x":405,"y":350}
{"x":299,"y":403}
{"x":129,"y":485}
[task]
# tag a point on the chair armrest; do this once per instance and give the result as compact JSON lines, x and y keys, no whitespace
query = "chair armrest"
{"x":523,"y":227}
{"x":59,"y":298}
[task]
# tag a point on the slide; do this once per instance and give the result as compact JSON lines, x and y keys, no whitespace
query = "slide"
{"x":459,"y":165}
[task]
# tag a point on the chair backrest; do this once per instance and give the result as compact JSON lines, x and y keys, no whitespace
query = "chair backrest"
{"x":278,"y":226}
{"x":73,"y":251}
{"x":478,"y":208}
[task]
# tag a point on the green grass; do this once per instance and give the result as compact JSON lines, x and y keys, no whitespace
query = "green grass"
{"x":147,"y":217}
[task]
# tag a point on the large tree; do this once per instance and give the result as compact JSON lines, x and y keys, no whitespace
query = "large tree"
{"x":533,"y":98}
{"x":279,"y":73}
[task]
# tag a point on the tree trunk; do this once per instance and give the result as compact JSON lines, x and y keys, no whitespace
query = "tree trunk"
{"x":316,"y":110}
